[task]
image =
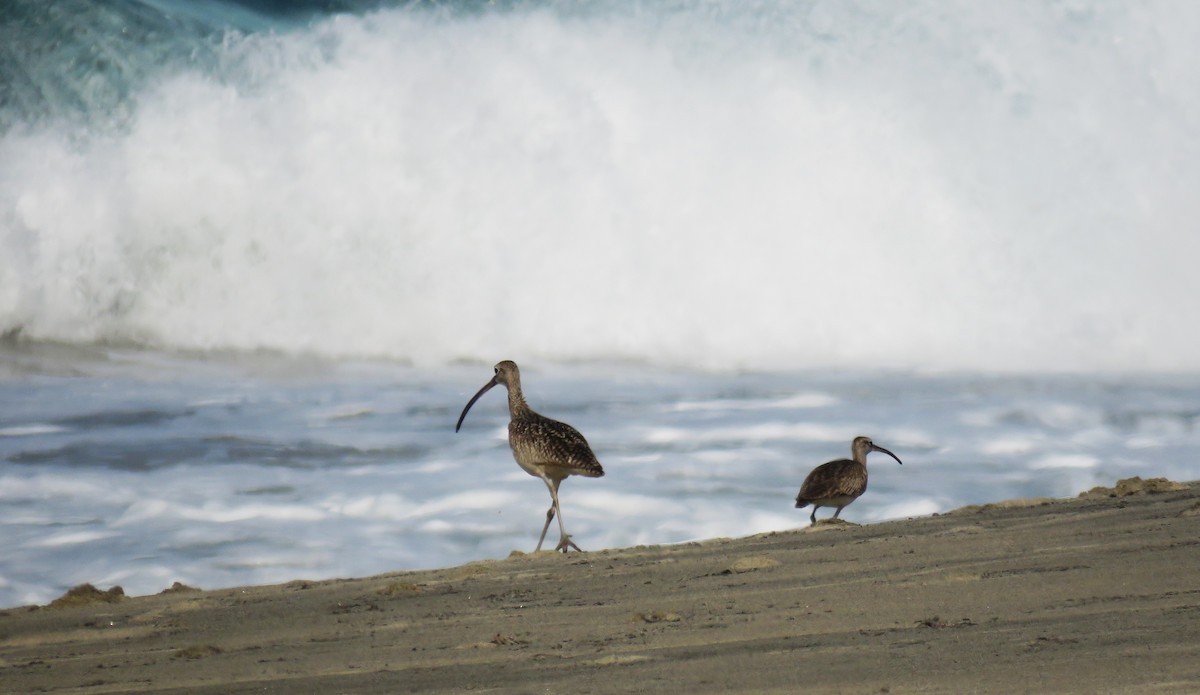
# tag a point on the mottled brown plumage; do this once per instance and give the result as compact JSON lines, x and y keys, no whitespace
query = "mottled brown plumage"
{"x":840,"y":482}
{"x":544,"y":448}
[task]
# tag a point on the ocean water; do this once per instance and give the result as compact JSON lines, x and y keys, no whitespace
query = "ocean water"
{"x":143,"y":468}
{"x":255,"y":256}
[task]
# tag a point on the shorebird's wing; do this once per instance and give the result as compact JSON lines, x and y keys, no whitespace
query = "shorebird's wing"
{"x":841,"y":478}
{"x":554,"y":444}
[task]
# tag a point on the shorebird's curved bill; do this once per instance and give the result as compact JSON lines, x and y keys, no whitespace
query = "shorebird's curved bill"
{"x":874,"y":447}
{"x":474,"y":398}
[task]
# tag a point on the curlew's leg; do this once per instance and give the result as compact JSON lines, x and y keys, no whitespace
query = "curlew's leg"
{"x":839,"y":511}
{"x":564,"y":541}
{"x":549,"y":516}
{"x":814,"y":514}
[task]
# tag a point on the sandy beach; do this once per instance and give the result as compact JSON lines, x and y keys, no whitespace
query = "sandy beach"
{"x":1094,"y":594}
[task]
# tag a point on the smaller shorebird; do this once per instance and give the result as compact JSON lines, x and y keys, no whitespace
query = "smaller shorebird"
{"x":840,"y":482}
{"x":544,"y":448}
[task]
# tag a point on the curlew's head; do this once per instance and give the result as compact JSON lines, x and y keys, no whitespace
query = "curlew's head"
{"x":506,"y":373}
{"x":863,"y":446}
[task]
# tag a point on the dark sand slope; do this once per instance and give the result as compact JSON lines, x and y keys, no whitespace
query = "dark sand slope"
{"x":1097,"y":594}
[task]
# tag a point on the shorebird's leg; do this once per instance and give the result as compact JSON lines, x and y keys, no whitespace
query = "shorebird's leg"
{"x":564,"y":541}
{"x":839,"y":511}
{"x":549,"y":516}
{"x":814,"y":515}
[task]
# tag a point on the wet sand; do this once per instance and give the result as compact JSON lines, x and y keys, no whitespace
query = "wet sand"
{"x":1095,"y":594}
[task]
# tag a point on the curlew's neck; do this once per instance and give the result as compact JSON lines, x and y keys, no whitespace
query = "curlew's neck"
{"x":517,"y":407}
{"x":860,"y":455}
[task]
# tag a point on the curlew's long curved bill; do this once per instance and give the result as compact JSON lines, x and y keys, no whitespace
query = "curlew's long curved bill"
{"x":874,"y":447}
{"x":471,"y":402}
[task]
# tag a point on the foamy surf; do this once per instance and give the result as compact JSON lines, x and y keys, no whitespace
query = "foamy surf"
{"x":270,"y":481}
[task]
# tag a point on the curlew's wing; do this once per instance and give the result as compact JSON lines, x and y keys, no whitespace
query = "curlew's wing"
{"x":553,"y":444}
{"x":841,"y":478}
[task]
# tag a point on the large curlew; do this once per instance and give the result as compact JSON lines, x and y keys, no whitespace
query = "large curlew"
{"x":840,"y":482}
{"x":545,"y":448}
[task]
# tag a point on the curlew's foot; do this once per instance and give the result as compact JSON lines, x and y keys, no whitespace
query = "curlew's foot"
{"x":565,"y":544}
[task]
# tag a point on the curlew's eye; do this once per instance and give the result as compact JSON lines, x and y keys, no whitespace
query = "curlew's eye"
{"x":496,"y":370}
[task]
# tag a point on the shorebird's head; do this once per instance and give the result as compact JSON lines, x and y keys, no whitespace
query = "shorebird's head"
{"x":863,"y":446}
{"x":506,"y":373}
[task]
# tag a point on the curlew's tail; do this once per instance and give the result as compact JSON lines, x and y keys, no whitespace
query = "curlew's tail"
{"x":801,"y":503}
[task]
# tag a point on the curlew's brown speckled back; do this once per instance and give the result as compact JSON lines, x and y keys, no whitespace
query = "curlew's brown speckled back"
{"x":842,"y":478}
{"x":555,"y":447}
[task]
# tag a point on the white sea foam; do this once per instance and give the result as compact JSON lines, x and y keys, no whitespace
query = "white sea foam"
{"x":66,"y":538}
{"x":1065,"y":461}
{"x":1145,"y":442}
{"x":799,"y":400}
{"x":1007,"y":447}
{"x":51,"y":484}
{"x":29,"y":430}
{"x":720,"y":185}
{"x":224,"y":513}
{"x":144,"y":510}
